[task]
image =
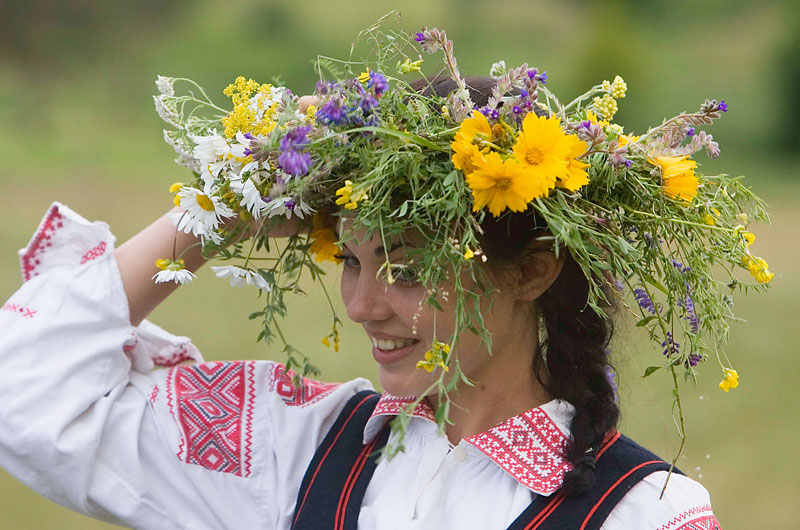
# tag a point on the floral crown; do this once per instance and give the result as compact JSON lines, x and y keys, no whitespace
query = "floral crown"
{"x":629,"y":208}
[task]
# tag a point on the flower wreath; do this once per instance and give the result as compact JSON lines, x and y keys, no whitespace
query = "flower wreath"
{"x":631,"y":209}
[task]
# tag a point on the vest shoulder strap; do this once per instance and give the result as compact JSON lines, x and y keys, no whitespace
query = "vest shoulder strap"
{"x":620,"y":465}
{"x":336,"y":479}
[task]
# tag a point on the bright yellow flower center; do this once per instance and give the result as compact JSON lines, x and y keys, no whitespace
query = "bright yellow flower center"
{"x":534,"y":156}
{"x":204,"y":202}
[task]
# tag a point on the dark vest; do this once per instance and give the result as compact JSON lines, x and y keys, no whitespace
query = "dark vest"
{"x":335,"y":482}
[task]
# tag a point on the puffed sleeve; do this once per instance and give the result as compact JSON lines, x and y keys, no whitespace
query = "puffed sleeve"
{"x":685,"y":505}
{"x":128,"y":424}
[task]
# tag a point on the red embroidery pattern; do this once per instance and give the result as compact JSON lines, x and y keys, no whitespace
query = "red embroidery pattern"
{"x":392,"y":405}
{"x":154,"y":395}
{"x":307,"y":393}
{"x":130,"y":343}
{"x":702,"y":515}
{"x":707,"y":522}
{"x":42,"y":240}
{"x":174,"y":359}
{"x":215,"y":416}
{"x":529,"y":447}
{"x":25,"y":312}
{"x":94,"y":253}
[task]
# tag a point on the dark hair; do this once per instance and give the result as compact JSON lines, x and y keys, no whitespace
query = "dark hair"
{"x":571,"y":361}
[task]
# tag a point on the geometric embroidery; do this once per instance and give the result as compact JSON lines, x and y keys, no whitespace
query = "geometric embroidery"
{"x":389,"y":404}
{"x":41,"y":241}
{"x":708,"y":522}
{"x":529,"y":447}
{"x":702,"y":518}
{"x":215,"y":412}
{"x":307,"y":392}
{"x":15,"y":308}
{"x":94,"y":253}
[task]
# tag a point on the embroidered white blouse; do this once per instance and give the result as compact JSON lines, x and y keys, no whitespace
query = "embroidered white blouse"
{"x":129,"y":425}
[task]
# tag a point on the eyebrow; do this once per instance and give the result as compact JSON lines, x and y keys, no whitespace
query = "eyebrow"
{"x":379,"y":250}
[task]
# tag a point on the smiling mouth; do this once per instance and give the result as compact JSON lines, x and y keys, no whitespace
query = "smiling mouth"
{"x":391,"y":344}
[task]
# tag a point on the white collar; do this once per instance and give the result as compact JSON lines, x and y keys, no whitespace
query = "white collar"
{"x":530,"y":446}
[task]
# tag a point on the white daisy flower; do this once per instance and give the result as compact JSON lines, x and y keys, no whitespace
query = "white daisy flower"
{"x":172,"y":271}
{"x":203,"y":211}
{"x":241,"y":277}
{"x":288,"y":206}
{"x":251,"y":197}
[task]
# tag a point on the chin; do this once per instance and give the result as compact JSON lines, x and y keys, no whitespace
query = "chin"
{"x":403,"y":383}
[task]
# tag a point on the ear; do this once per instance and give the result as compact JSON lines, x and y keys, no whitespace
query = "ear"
{"x":537,"y":273}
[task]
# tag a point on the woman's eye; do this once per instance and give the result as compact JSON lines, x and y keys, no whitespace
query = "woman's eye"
{"x":405,"y":275}
{"x":348,"y":261}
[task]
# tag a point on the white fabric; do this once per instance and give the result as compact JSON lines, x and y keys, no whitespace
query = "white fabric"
{"x":119,"y":423}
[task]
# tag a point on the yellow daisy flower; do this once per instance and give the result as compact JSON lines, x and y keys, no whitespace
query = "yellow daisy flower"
{"x":475,"y":129}
{"x":543,"y":150}
{"x":464,"y":155}
{"x":502,"y":184}
{"x":577,"y":176}
{"x":678,"y":178}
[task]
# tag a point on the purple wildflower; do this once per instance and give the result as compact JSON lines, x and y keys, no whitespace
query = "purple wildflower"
{"x":691,"y":315}
{"x":290,"y":204}
{"x":689,"y":131}
{"x":495,"y":114}
{"x":694,"y":359}
{"x":296,"y":138}
{"x":295,"y":163}
{"x":378,"y":83}
{"x":420,"y":37}
{"x":723,"y":107}
{"x":517,"y":109}
{"x":368,"y":103}
{"x":670,"y":346}
{"x":248,"y":136}
{"x":332,"y":113}
{"x":535,"y":75}
{"x":247,"y":152}
{"x":524,"y":93}
{"x":644,"y":301}
{"x":611,"y":377}
{"x":324,"y":87}
{"x":680,"y":266}
{"x":628,"y":164}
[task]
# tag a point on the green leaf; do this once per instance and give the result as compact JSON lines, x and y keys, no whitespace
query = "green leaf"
{"x":650,"y":369}
{"x":645,"y":321}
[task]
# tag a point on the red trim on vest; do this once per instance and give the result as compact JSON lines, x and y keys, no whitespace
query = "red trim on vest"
{"x":623,"y":477}
{"x":344,"y":499}
{"x":558,"y":498}
{"x":316,"y":471}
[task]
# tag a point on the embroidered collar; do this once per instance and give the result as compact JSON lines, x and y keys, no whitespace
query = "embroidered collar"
{"x":530,"y":446}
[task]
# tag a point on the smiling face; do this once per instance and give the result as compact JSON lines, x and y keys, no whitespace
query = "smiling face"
{"x":402,"y":326}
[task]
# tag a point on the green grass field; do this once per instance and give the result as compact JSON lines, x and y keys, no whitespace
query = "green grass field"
{"x":81,"y":131}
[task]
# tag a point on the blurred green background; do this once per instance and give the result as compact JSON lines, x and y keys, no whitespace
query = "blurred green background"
{"x":77,"y":126}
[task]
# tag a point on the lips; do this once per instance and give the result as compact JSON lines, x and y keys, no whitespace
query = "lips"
{"x":386,"y":350}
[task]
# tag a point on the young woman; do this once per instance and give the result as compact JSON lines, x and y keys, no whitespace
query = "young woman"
{"x":110,"y":415}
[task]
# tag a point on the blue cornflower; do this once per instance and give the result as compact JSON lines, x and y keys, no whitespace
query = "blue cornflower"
{"x":723,"y":107}
{"x":378,"y":83}
{"x":644,"y":301}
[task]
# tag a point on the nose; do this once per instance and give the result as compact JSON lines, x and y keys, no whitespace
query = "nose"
{"x":366,"y":297}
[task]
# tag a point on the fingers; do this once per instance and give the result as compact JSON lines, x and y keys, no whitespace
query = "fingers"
{"x":307,"y":101}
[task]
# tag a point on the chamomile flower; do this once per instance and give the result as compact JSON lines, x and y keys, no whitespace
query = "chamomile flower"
{"x":251,"y":197}
{"x":203,"y":211}
{"x":241,"y":277}
{"x":172,"y":271}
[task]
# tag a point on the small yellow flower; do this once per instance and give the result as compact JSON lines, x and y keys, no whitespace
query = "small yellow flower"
{"x":363,"y":77}
{"x":311,"y":114}
{"x":709,"y":220}
{"x":435,"y":357}
{"x":618,"y":88}
{"x":749,"y":238}
{"x":606,"y":106}
{"x":406,"y":67}
{"x":679,"y":179}
{"x":730,"y":379}
{"x":469,"y":254}
{"x":348,"y":197}
{"x":326,"y":342}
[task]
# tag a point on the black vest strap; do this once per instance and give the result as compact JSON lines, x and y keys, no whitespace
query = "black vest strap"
{"x":621,"y":464}
{"x":335,"y":482}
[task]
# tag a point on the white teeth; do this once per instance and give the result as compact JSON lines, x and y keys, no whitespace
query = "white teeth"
{"x":389,"y":344}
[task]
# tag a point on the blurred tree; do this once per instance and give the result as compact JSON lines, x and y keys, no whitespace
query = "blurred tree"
{"x":787,"y":64}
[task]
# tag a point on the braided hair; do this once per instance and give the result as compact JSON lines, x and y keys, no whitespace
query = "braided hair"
{"x":571,"y":361}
